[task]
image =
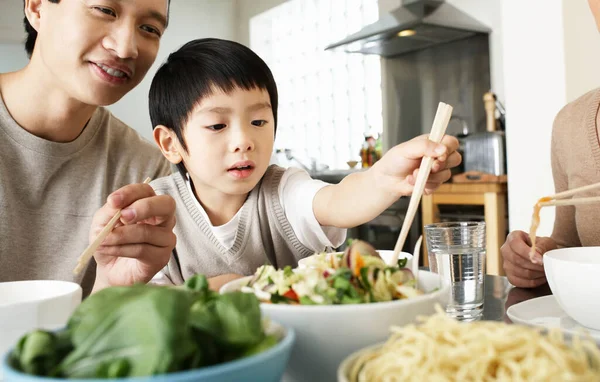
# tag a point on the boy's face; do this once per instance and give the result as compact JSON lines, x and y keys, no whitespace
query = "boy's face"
{"x":229,"y":140}
{"x":98,"y":50}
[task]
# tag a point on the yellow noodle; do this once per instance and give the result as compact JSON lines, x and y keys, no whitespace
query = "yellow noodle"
{"x":442,"y":349}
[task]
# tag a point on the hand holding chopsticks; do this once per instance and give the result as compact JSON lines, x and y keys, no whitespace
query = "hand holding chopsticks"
{"x":86,"y":256}
{"x":440,"y":123}
{"x":560,"y":199}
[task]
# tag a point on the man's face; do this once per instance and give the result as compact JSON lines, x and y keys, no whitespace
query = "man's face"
{"x":98,"y":50}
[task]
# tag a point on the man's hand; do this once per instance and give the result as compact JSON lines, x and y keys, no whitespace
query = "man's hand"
{"x":141,"y":243}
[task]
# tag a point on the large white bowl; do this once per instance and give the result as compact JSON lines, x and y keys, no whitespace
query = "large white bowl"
{"x":574,"y":278}
{"x":326,"y":334}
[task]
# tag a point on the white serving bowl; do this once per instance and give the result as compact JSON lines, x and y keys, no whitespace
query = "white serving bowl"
{"x":326,"y":334}
{"x":574,"y":278}
{"x":35,"y":304}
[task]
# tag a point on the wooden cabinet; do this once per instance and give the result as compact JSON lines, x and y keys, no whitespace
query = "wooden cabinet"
{"x":490,"y":195}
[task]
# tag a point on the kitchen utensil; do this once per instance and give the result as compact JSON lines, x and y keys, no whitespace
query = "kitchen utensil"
{"x":485,"y":151}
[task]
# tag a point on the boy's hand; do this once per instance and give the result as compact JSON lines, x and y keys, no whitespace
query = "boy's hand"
{"x":215,"y":283}
{"x":397,"y":170}
{"x":141,"y":243}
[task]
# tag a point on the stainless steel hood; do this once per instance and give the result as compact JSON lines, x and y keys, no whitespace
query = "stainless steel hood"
{"x":416,"y":25}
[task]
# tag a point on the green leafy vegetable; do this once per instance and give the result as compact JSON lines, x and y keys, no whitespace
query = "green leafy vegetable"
{"x":402,"y":262}
{"x":145,"y":330}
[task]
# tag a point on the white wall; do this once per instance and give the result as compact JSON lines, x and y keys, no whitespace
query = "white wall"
{"x":582,"y":49}
{"x":12,"y":57}
{"x":189,"y":19}
{"x":547,"y":63}
{"x":11,"y":21}
{"x":535,"y":85}
{"x":245,"y":10}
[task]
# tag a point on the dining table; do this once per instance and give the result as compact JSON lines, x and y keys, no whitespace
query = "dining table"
{"x":500,"y":294}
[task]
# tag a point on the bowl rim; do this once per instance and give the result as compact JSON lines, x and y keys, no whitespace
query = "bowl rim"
{"x":71,"y":288}
{"x":557,"y":254}
{"x":349,"y":361}
{"x":287,"y":341}
{"x":407,"y":255}
{"x":433,"y":295}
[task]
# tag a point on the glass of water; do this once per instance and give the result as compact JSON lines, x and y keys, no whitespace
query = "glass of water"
{"x":457,"y":253}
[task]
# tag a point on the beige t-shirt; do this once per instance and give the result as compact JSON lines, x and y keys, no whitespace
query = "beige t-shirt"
{"x":576,"y":163}
{"x":49,"y":192}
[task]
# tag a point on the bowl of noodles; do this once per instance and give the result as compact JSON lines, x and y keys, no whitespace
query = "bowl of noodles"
{"x":442,"y":349}
{"x":339,"y":305}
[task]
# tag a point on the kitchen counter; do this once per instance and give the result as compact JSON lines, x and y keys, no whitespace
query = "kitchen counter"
{"x":334,"y":176}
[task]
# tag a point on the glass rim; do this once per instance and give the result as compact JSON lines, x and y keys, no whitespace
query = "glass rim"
{"x":455,"y":225}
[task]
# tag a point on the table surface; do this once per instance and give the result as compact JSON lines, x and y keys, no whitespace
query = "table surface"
{"x":500,"y":295}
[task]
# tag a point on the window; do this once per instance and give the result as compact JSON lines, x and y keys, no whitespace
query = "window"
{"x":327,"y":100}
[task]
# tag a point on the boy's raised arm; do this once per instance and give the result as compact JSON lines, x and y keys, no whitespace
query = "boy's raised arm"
{"x":362,"y":196}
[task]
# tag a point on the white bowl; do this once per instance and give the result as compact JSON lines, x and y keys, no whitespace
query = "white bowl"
{"x":343,"y":371}
{"x":36,"y":304}
{"x":326,"y":334}
{"x":573,"y":275}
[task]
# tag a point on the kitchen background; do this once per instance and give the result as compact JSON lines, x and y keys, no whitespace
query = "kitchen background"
{"x":535,"y":55}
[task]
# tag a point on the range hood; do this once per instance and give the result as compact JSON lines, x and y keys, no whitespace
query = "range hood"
{"x":416,"y":25}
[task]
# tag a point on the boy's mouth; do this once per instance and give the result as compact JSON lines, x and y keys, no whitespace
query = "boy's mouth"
{"x":242,"y":169}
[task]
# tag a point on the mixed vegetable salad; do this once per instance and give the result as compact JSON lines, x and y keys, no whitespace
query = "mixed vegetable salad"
{"x":145,"y":330}
{"x":356,"y":276}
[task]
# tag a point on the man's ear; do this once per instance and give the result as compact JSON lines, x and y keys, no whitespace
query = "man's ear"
{"x":168,"y":143}
{"x":33,"y":12}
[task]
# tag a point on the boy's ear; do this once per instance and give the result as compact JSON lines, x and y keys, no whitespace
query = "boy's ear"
{"x":33,"y":12}
{"x":167,"y":141}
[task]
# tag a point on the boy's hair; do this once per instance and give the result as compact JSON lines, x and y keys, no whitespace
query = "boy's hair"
{"x":193,"y":72}
{"x":32,"y":33}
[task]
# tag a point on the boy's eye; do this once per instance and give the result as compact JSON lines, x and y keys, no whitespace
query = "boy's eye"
{"x":106,"y":11}
{"x":259,"y":123}
{"x":216,"y":127}
{"x":151,"y":29}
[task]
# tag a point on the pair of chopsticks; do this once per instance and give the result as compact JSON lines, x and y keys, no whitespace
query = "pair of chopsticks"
{"x":91,"y":249}
{"x":438,"y":129}
{"x":562,"y":198}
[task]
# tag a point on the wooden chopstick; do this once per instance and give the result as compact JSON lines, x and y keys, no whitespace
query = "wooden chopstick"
{"x":566,"y":194}
{"x":571,"y":202}
{"x":438,"y":129}
{"x":91,"y":249}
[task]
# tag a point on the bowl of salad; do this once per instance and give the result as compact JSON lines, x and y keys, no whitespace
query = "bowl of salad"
{"x":156,"y":334}
{"x":339,"y":304}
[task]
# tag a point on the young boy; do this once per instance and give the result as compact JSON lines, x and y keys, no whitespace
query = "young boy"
{"x":214,"y":108}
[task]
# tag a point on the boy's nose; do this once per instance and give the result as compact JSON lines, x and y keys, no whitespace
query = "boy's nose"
{"x":242,"y":143}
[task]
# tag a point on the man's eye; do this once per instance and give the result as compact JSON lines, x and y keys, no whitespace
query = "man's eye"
{"x":259,"y":123}
{"x":106,"y":11}
{"x":216,"y":127}
{"x":151,"y":29}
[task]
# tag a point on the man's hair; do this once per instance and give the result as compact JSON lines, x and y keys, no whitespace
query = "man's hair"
{"x":32,"y":33}
{"x":195,"y":71}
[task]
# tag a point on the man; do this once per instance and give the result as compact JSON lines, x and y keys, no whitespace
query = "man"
{"x":62,"y":153}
